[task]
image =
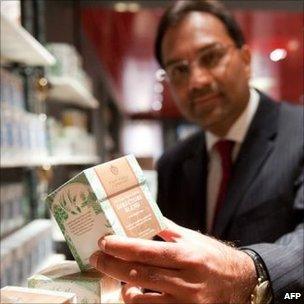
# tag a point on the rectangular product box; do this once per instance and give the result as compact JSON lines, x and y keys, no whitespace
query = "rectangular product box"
{"x":89,"y":287}
{"x":111,"y":198}
{"x":14,"y":294}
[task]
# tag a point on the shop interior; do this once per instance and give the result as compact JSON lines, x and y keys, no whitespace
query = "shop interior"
{"x":80,"y":86}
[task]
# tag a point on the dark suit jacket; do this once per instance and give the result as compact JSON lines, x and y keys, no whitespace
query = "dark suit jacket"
{"x":264,"y":206}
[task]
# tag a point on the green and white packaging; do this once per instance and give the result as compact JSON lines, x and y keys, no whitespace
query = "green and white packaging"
{"x":111,"y":198}
{"x":89,"y":287}
{"x":23,"y":295}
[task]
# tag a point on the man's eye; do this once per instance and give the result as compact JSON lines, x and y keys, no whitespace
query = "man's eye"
{"x":210,"y":59}
{"x":180,"y":70}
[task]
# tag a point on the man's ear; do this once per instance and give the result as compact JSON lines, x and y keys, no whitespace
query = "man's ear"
{"x":246,"y":57}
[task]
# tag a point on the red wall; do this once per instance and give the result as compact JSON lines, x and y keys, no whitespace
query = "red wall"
{"x":269,"y":30}
{"x":124,"y":42}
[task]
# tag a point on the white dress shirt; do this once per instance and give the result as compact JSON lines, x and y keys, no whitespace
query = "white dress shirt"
{"x":237,"y":134}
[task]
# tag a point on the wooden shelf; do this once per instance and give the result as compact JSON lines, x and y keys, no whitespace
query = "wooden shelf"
{"x":69,"y":90}
{"x":51,"y":161}
{"x":18,"y":45}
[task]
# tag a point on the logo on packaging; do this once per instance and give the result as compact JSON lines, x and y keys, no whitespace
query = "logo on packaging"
{"x":114,"y":170}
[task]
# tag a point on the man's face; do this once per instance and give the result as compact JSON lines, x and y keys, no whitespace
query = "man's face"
{"x":208,"y":75}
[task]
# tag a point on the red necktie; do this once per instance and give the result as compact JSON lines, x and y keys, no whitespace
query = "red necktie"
{"x":224,"y":148}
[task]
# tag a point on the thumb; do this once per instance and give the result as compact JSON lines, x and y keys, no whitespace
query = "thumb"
{"x":172,"y":233}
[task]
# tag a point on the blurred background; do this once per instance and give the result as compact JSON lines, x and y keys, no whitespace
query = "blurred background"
{"x":80,"y":86}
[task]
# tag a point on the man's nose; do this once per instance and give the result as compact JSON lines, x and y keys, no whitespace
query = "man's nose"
{"x":199,"y":77}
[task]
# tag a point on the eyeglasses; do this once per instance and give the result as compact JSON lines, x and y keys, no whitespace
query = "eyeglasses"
{"x":209,"y":58}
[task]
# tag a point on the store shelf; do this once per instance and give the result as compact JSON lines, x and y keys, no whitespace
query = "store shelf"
{"x":69,"y":90}
{"x":20,"y":162}
{"x":17,"y":45}
{"x":73,"y":160}
{"x":52,"y":161}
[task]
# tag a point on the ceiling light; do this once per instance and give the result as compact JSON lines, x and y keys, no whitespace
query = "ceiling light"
{"x":157,"y":105}
{"x":133,"y":7}
{"x":278,"y":54}
{"x":120,"y":7}
{"x":293,"y":45}
{"x":42,"y":117}
{"x":160,"y":74}
{"x":158,"y":87}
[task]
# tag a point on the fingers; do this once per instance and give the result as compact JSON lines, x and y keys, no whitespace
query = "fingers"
{"x":155,"y":278}
{"x":176,"y":233}
{"x":133,"y":294}
{"x":155,"y":253}
{"x":184,"y":236}
{"x":172,"y":233}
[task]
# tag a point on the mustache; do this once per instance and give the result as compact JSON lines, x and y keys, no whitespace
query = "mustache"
{"x":203,"y":91}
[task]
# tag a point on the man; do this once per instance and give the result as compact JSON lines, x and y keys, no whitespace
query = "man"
{"x":240,"y":179}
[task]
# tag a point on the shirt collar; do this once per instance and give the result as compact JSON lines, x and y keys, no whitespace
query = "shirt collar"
{"x":238,"y":130}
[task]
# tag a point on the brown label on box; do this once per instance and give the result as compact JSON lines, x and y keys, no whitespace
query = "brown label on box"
{"x":127,"y":199}
{"x":135,"y":213}
{"x":116,"y":176}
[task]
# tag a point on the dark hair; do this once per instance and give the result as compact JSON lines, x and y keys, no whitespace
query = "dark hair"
{"x":176,"y":12}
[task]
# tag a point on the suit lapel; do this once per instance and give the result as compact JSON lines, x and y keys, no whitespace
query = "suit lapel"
{"x":254,"y":151}
{"x":195,"y":172}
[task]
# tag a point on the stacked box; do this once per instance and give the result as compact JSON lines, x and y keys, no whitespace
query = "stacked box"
{"x":89,"y":287}
{"x":112,"y":198}
{"x":14,"y":294}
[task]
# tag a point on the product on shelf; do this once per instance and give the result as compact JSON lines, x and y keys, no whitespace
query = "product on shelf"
{"x":109,"y":198}
{"x":13,"y":207}
{"x":24,"y":250}
{"x":22,"y":295}
{"x":11,"y":90}
{"x":68,"y":61}
{"x":89,"y":287}
{"x":74,"y":118}
{"x":67,"y":139}
{"x":23,"y":135}
{"x":79,"y":141}
{"x":68,"y":64}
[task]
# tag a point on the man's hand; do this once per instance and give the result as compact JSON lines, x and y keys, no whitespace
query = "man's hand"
{"x":188,"y":268}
